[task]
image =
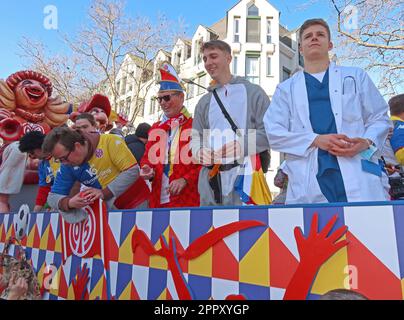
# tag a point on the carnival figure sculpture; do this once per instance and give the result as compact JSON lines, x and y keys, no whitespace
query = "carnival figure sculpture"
{"x":26,"y":104}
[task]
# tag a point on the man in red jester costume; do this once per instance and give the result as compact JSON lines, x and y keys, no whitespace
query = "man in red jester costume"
{"x":167,"y":161}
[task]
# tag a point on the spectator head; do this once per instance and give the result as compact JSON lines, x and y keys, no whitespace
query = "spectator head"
{"x":100,"y":107}
{"x":66,"y":146}
{"x":85,"y":122}
{"x":396,"y":105}
{"x":171,"y":93}
{"x":315,"y":40}
{"x":216,"y":55}
{"x":343,"y":294}
{"x":142,"y":131}
{"x":216,"y":44}
{"x":31,"y":143}
{"x":99,"y":102}
{"x":311,"y":22}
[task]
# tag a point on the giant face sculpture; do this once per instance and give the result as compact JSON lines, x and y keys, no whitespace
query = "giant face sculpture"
{"x":31,"y":94}
{"x":100,"y":117}
{"x":26,"y":105}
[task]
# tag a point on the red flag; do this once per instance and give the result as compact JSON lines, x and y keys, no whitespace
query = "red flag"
{"x":85,"y":239}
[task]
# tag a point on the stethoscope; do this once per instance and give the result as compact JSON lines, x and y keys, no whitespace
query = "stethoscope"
{"x":343,"y":83}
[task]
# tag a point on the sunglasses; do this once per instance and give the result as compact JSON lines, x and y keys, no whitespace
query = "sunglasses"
{"x":166,"y":98}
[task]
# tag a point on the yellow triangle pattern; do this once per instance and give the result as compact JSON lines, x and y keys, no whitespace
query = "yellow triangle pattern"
{"x":2,"y":227}
{"x":10,"y":230}
{"x":70,"y":293}
{"x":402,"y":287}
{"x":30,"y":239}
{"x":97,"y":291}
{"x":125,"y":250}
{"x":332,"y":273}
{"x":163,"y":295}
{"x":44,"y":239}
{"x":157,"y":261}
{"x":254,"y":267}
{"x":202,"y":265}
{"x":58,"y":244}
{"x":125,"y":295}
{"x":54,"y":289}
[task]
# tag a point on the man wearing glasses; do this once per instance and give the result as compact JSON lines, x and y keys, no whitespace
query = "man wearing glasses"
{"x":167,"y":160}
{"x":103,"y":163}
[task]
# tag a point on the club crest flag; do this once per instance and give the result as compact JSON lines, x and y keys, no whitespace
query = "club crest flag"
{"x":85,"y":239}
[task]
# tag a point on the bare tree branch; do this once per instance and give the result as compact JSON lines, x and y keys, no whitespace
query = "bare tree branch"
{"x":98,"y":50}
{"x":371,"y":35}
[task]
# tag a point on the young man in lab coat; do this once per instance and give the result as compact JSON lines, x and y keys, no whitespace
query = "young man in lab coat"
{"x":331,"y":123}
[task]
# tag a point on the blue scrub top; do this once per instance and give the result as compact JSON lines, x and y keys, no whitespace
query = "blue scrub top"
{"x":322,"y":120}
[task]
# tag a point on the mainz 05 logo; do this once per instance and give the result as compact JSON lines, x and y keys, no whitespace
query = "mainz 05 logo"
{"x":82,"y":234}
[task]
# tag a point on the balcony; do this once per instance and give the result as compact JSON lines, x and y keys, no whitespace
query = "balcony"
{"x":249,"y":46}
{"x":270,"y":48}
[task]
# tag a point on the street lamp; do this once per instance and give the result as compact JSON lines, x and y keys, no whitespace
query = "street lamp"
{"x":191,"y":81}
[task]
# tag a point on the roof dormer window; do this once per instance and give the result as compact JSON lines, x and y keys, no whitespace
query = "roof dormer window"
{"x":253,"y":10}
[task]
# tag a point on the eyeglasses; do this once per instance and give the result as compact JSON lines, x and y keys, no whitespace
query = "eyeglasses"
{"x":64,"y":158}
{"x":166,"y":98}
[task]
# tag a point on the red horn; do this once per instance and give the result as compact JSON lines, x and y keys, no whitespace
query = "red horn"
{"x":10,"y":129}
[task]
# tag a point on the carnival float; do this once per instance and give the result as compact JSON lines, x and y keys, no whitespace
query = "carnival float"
{"x":248,"y":252}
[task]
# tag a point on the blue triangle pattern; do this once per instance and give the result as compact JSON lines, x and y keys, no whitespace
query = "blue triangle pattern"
{"x":200,"y":223}
{"x":128,"y":221}
{"x":160,"y":222}
{"x":399,"y":226}
{"x":96,"y":272}
{"x":324,"y":216}
{"x":249,"y":237}
{"x":45,"y":223}
{"x":123,"y":278}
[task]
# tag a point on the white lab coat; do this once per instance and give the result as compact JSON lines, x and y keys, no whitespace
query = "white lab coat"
{"x":359,"y":111}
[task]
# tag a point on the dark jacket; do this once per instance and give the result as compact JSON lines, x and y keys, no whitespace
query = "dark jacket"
{"x":136,"y":146}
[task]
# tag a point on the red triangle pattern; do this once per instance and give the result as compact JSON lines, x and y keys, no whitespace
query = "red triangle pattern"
{"x":169,"y":296}
{"x":51,"y":241}
{"x":133,"y":292}
{"x":37,"y":238}
{"x":283,"y":263}
{"x":375,"y":280}
{"x":63,"y":288}
{"x":113,"y":248}
{"x":12,"y":230}
{"x":180,"y":249}
{"x":225,"y":265}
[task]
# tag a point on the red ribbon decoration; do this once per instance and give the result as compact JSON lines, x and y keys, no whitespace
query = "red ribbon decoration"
{"x":194,"y":250}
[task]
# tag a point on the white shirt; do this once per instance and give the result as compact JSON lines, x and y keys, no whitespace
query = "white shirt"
{"x":234,"y":99}
{"x":319,"y":76}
